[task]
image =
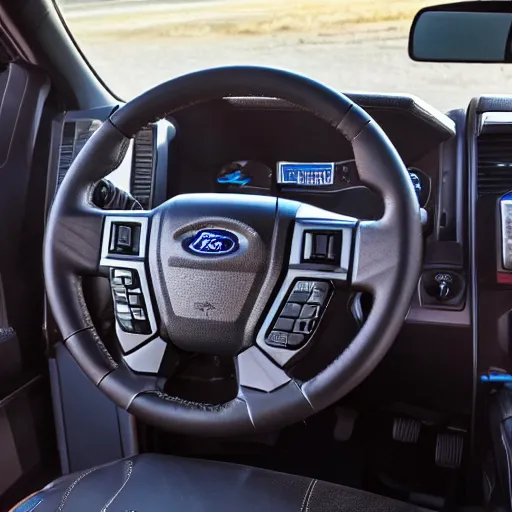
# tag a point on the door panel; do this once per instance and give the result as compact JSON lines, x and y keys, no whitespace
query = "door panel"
{"x":27,"y":445}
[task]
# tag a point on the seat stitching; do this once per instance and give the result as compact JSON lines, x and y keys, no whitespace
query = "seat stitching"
{"x":128,"y":468}
{"x":306,"y":495}
{"x":310,"y":494}
{"x":69,"y":490}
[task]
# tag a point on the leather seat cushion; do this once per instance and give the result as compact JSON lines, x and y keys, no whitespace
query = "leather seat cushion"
{"x":165,"y":483}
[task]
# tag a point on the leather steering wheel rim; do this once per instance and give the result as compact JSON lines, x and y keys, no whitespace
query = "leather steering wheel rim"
{"x":386,"y":259}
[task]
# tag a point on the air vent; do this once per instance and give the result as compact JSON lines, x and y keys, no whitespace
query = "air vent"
{"x":494,"y":163}
{"x":142,"y":165}
{"x":67,"y":146}
{"x":74,"y":136}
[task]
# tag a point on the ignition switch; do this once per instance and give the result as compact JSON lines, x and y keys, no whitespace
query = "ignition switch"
{"x":445,"y":286}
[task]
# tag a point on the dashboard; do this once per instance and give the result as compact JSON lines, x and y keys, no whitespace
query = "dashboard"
{"x":267,"y":146}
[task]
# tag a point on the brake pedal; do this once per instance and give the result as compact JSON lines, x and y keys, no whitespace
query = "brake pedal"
{"x":449,"y":447}
{"x":406,"y":430}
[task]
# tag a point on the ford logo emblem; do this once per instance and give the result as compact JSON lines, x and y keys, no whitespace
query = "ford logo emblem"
{"x":212,"y":242}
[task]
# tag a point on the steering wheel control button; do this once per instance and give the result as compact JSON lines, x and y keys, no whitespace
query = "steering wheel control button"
{"x":309,"y":311}
{"x":300,"y":314}
{"x":301,"y":291}
{"x":295,"y":341}
{"x":122,"y":309}
{"x":304,"y":326}
{"x":120,"y":295}
{"x":284,"y":324}
{"x":135,"y":299}
{"x":138,"y":314}
{"x":124,"y":239}
{"x":129,"y":305}
{"x":126,"y":325}
{"x":288,"y":340}
{"x":319,"y":294}
{"x":123,"y":276}
{"x":278,"y":339}
{"x":300,"y":297}
{"x":291,"y":310}
{"x":304,"y":286}
{"x":322,"y":247}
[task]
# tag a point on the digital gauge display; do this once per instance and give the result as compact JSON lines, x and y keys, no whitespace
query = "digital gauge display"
{"x":305,"y":174}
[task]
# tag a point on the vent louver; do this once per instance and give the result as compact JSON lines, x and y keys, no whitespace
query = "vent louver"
{"x":142,"y":166}
{"x":74,"y":136}
{"x":494,"y":163}
{"x":67,"y":146}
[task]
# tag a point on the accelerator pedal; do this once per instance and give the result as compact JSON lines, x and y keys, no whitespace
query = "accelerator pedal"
{"x":449,"y":447}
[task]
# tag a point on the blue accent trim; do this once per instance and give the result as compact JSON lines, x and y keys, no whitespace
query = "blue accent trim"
{"x":496,"y":377}
{"x":234,"y":178}
{"x":30,"y":504}
{"x":506,"y":197}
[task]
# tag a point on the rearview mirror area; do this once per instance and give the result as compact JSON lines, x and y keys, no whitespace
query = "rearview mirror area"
{"x":479,"y":31}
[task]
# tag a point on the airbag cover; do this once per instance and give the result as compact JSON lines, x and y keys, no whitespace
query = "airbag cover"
{"x":209,"y":256}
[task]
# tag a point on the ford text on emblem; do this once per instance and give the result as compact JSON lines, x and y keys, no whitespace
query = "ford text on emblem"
{"x":212,"y":242}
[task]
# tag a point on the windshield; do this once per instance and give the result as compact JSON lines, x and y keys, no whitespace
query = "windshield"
{"x":350,"y":45}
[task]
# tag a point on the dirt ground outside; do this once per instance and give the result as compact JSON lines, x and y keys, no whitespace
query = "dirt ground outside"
{"x":351,"y":45}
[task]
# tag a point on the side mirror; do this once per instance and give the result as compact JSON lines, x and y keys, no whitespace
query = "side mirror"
{"x":479,"y":31}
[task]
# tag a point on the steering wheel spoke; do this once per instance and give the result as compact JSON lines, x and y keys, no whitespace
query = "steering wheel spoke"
{"x":256,"y":371}
{"x":123,"y":257}
{"x":320,"y":258}
{"x":376,"y":256}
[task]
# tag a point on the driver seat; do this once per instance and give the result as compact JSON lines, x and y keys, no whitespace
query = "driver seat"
{"x":164,"y":483}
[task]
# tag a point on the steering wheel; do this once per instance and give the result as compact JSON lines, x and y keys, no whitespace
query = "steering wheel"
{"x":217,"y":273}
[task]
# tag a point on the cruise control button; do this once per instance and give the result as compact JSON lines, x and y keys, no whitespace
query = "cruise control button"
{"x":278,"y":339}
{"x":309,"y":311}
{"x":320,"y":285}
{"x":304,"y":326}
{"x":122,"y":309}
{"x":138,"y":314}
{"x":291,"y":310}
{"x":126,"y":325}
{"x":284,"y":324}
{"x":125,"y":274}
{"x":303,"y":286}
{"x":319,"y":294}
{"x":120,"y":295}
{"x":300,"y":297}
{"x":135,"y":299}
{"x":295,"y":340}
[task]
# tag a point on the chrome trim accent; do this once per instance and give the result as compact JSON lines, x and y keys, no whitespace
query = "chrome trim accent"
{"x":148,"y":358}
{"x":493,"y":119}
{"x":256,"y":371}
{"x":308,"y":217}
{"x":130,"y":341}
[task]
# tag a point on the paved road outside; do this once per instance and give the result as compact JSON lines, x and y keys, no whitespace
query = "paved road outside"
{"x":370,"y":57}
